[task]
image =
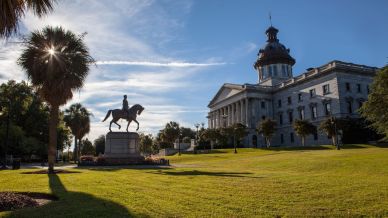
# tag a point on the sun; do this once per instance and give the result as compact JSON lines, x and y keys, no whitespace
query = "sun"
{"x":51,"y":51}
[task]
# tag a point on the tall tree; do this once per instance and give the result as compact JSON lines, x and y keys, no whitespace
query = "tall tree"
{"x":267,"y":127}
{"x":87,"y":147}
{"x":56,"y":62}
{"x":375,"y":108}
{"x":146,"y":143}
{"x":303,"y":128}
{"x":13,"y":10}
{"x":77,"y":118}
{"x":329,"y":126}
{"x":99,"y":144}
{"x":171,"y":132}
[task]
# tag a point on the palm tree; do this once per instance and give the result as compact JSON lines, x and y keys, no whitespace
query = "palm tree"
{"x":77,"y":118}
{"x":13,"y":10}
{"x":304,"y":128}
{"x":56,"y":62}
{"x":267,"y":127}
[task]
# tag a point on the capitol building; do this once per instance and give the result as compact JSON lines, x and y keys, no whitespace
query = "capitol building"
{"x":333,"y":89}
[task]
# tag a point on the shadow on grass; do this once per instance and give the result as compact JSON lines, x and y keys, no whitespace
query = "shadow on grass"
{"x":204,"y":173}
{"x":130,"y":167}
{"x":299,"y":148}
{"x":74,"y":204}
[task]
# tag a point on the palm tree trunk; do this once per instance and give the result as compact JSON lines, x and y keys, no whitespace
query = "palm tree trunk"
{"x":75,"y":149}
{"x":54,"y":113}
{"x":79,"y":150}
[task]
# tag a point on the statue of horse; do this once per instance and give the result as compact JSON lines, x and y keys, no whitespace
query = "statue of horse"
{"x":120,"y":114}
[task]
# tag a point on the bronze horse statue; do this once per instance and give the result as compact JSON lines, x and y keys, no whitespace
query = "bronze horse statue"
{"x":120,"y":114}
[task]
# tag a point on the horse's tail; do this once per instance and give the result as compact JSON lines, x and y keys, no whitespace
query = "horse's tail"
{"x":107,"y":115}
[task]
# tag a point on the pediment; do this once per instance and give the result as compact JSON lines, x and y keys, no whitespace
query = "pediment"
{"x":226,"y":91}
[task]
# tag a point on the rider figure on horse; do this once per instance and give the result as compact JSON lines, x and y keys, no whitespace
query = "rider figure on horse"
{"x":125,"y":105}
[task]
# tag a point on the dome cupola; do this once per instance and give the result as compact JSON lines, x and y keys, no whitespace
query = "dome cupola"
{"x":274,"y":59}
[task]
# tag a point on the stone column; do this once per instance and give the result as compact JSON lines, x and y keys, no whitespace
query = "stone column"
{"x":241,"y":112}
{"x":247,"y":113}
{"x":232,"y":112}
{"x":229,"y":114}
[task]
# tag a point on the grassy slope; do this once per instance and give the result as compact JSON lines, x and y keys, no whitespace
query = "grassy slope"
{"x":326,"y":182}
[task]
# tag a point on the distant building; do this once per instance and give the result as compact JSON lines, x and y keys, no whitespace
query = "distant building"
{"x":336,"y":88}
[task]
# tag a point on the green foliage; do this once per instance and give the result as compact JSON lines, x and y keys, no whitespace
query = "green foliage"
{"x":87,"y":147}
{"x":170,"y":133}
{"x":28,"y":118}
{"x":187,"y":132}
{"x":267,"y":127}
{"x":304,"y":128}
{"x":99,"y":144}
{"x":186,"y":139}
{"x":146,"y":144}
{"x":77,"y":118}
{"x":375,"y":108}
{"x":329,"y":126}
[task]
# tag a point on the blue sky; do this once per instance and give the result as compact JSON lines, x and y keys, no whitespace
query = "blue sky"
{"x":172,"y":56}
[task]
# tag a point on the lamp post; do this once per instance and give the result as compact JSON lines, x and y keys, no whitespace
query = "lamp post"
{"x":179,"y":142}
{"x":334,"y":123}
{"x":6,"y":133}
{"x":196,"y":138}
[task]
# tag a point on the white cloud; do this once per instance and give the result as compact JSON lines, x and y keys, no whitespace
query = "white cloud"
{"x":158,"y":64}
{"x":133,"y":31}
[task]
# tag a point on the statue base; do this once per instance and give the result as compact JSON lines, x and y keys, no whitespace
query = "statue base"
{"x":122,"y":148}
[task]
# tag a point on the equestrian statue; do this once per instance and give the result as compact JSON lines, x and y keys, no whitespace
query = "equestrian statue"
{"x":125,"y":113}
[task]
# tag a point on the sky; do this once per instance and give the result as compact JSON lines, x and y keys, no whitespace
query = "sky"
{"x":172,"y":56}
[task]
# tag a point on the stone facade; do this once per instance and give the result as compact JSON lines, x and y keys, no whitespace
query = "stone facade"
{"x":336,"y":88}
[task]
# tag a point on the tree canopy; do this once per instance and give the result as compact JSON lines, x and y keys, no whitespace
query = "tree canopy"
{"x":303,"y":128}
{"x":267,"y":127}
{"x":375,"y":108}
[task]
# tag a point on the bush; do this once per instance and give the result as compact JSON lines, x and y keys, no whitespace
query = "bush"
{"x":100,"y":160}
{"x":86,"y":158}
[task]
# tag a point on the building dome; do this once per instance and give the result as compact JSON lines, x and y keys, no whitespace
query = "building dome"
{"x":273,"y":52}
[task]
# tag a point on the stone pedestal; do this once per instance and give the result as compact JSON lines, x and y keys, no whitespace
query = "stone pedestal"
{"x":122,"y":148}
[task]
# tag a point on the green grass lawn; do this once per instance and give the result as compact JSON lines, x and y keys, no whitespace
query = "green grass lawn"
{"x":253,"y":183}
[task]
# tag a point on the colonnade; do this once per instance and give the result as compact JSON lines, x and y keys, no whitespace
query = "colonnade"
{"x":236,"y":112}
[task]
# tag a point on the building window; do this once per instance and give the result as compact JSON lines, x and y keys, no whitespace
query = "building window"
{"x":290,"y":117}
{"x":263,"y":104}
{"x":289,"y":71}
{"x":312,"y":93}
{"x":327,"y":109}
{"x":292,"y":137}
{"x":326,"y":89}
{"x":279,"y":103}
{"x":349,"y":107}
{"x":367,"y":89}
{"x":314,"y":112}
{"x":270,"y":71}
{"x":301,"y":114}
{"x":280,"y":119}
{"x":275,"y":70}
{"x":281,"y":139}
{"x":289,"y":100}
{"x":284,"y":71}
{"x":315,"y":134}
{"x":300,"y":97}
{"x":359,"y":88}
{"x":348,"y":87}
